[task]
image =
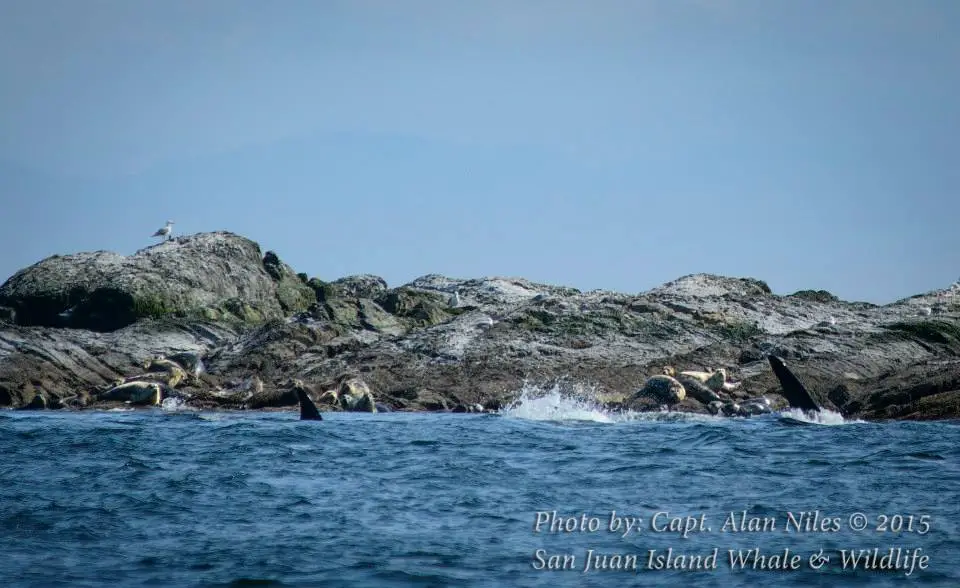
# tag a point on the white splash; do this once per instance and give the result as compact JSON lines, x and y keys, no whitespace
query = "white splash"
{"x":823,"y":417}
{"x":173,"y":404}
{"x":567,"y":401}
{"x":535,"y":404}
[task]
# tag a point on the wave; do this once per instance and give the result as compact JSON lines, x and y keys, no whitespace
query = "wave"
{"x":173,"y":404}
{"x":561,"y":402}
{"x":823,"y":417}
{"x":576,"y":402}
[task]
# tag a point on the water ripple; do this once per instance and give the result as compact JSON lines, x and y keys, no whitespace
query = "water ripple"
{"x":236,"y":499}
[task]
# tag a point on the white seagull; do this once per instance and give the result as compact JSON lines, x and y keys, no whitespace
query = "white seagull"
{"x":455,"y":299}
{"x":165,"y":231}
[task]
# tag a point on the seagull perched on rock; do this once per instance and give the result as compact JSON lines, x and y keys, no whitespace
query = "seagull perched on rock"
{"x":165,"y":231}
{"x":455,"y":299}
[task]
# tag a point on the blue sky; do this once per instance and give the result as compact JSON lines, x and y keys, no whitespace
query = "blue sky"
{"x":606,"y":144}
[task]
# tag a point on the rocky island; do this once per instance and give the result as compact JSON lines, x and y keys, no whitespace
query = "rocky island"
{"x":213,"y":322}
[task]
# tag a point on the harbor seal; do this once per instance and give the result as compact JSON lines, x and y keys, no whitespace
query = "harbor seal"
{"x":756,"y":406}
{"x":190,"y":361}
{"x":174,"y":373}
{"x":351,"y":394}
{"x":713,"y":379}
{"x":662,"y":388}
{"x":135,"y":392}
{"x":258,"y":397}
{"x":716,"y":379}
{"x":696,"y":389}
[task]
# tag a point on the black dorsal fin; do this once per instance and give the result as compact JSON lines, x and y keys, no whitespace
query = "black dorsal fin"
{"x":308,"y":410}
{"x":793,"y":390}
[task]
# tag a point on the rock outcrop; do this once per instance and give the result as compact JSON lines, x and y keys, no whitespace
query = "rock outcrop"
{"x":217,"y":276}
{"x":72,"y":327}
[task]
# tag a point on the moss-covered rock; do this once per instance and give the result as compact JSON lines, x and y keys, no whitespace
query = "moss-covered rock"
{"x":342,"y":312}
{"x":190,"y":276}
{"x":739,"y":332}
{"x":932,"y":331}
{"x":419,"y":308}
{"x":375,"y":318}
{"x":815,"y":296}
{"x":293,"y":293}
{"x":241,"y":310}
{"x":360,"y":286}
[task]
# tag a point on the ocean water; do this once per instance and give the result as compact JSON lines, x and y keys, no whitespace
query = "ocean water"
{"x":523,"y":498}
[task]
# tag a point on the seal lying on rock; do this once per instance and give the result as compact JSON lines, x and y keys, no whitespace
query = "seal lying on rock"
{"x":716,"y":380}
{"x":260,"y":398}
{"x":160,"y":380}
{"x":351,"y":394}
{"x":663,"y":389}
{"x":136,"y":392}
{"x":173,"y":372}
{"x":751,"y":407}
{"x":189,"y":361}
{"x":702,"y":386}
{"x":756,"y":406}
{"x":697,"y":389}
{"x":712,"y":379}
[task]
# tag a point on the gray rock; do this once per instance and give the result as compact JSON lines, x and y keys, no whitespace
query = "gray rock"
{"x":212,"y":275}
{"x":359,"y":286}
{"x":222,"y":301}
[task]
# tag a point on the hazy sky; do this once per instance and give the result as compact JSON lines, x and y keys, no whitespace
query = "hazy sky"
{"x":597,"y":144}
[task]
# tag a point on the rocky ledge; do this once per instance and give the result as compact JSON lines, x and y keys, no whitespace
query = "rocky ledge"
{"x":209,"y":320}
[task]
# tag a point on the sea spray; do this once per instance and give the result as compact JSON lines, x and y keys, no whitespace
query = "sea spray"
{"x":823,"y":417}
{"x":561,"y":402}
{"x":570,"y":401}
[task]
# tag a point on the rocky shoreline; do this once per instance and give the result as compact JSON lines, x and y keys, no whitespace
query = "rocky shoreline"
{"x":211,"y":321}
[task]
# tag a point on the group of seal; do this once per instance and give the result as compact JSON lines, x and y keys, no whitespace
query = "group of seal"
{"x":163,"y":375}
{"x":711,"y":388}
{"x":350,"y":393}
{"x":353,"y":394}
{"x":671,"y":387}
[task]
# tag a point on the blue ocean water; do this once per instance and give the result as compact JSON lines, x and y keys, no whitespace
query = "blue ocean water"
{"x":165,"y":498}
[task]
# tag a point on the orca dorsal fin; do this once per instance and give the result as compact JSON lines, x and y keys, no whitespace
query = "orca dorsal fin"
{"x":793,"y":390}
{"x":308,"y":410}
